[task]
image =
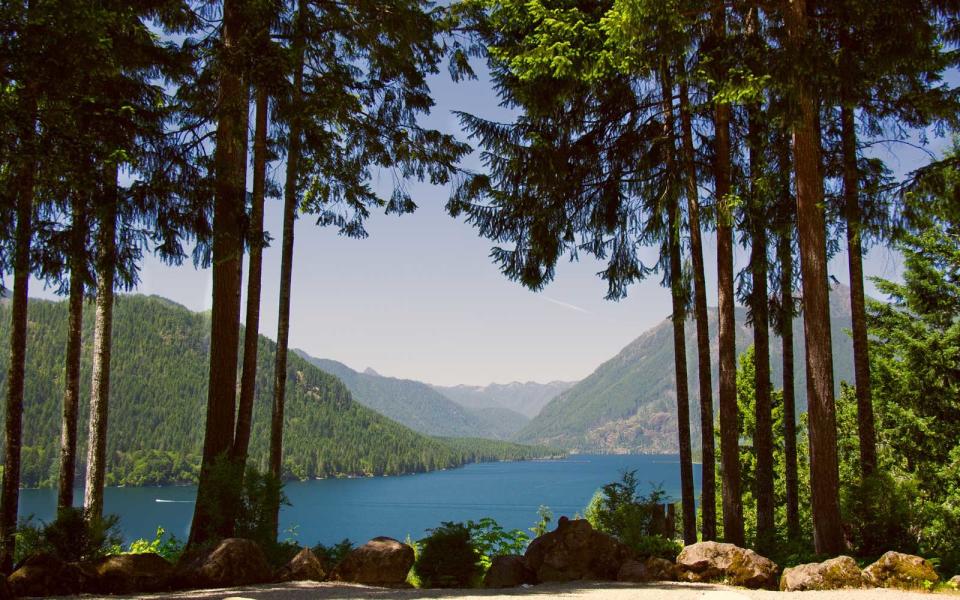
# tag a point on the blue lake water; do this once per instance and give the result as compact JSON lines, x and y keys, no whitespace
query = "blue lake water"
{"x":330,"y":510}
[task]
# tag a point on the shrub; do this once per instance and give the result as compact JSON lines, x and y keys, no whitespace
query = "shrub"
{"x":879,"y":515}
{"x":491,"y":540}
{"x":167,"y":546}
{"x":73,"y":536}
{"x":448,"y":558}
{"x":544,"y":517}
{"x":618,"y":509}
{"x":333,"y":554}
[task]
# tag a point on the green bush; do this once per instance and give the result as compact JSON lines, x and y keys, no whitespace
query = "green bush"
{"x":333,"y":554}
{"x":620,"y":510}
{"x":167,"y":546}
{"x":73,"y":536}
{"x":492,"y":540}
{"x":878,"y":514}
{"x":448,"y":558}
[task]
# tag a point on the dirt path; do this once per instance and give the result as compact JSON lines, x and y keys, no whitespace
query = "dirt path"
{"x":577,"y":590}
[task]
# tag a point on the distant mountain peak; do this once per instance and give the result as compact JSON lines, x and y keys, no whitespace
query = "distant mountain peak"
{"x":370,"y":371}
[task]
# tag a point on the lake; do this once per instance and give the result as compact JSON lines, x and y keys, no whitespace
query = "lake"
{"x":330,"y":510}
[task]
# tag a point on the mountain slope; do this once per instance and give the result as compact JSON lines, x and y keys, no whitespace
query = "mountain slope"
{"x":629,"y":403}
{"x":526,"y":398}
{"x":158,"y":400}
{"x":410,"y":403}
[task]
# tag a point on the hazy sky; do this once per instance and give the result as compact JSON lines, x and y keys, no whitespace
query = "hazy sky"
{"x":421,"y":299}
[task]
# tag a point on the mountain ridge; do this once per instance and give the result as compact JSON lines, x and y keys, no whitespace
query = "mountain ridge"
{"x":628,"y":404}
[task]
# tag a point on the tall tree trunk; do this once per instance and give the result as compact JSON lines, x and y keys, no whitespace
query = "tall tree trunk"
{"x":811,"y":226}
{"x":708,"y":493}
{"x":290,"y":200}
{"x":248,"y":379}
{"x":102,"y":346}
{"x":229,"y":190}
{"x":71,"y":394}
{"x":763,"y":432}
{"x":679,"y":317}
{"x":858,"y":308}
{"x":785,"y":257}
{"x":23,"y":186}
{"x":729,"y":413}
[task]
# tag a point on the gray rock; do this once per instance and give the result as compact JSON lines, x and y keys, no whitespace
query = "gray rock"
{"x":233,"y":562}
{"x":305,"y":566}
{"x":713,"y":561}
{"x":903,"y":571}
{"x":837,"y":573}
{"x":508,"y":571}
{"x":574,"y":551}
{"x":651,"y":569}
{"x":381,"y":561}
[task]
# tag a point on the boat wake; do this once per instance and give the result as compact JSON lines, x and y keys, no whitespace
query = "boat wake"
{"x":173,"y":501}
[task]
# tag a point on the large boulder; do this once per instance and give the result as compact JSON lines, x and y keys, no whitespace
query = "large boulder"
{"x":47,"y":575}
{"x":644,"y":571}
{"x":381,"y":561}
{"x":231,"y":563}
{"x":713,"y":561}
{"x":508,"y":571}
{"x":905,"y":571}
{"x":954,"y":582}
{"x":575,"y":551}
{"x":837,"y":573}
{"x":132,"y":573}
{"x":305,"y":566}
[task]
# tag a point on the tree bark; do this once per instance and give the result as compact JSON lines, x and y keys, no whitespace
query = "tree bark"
{"x":858,"y":309}
{"x":763,"y":432}
{"x":71,"y":394}
{"x":228,"y":209}
{"x":785,"y":257}
{"x":248,"y":380}
{"x":811,"y":226}
{"x":729,"y":413}
{"x":708,"y":494}
{"x":102,"y":346}
{"x":679,"y":317}
{"x":23,"y":186}
{"x":290,"y":199}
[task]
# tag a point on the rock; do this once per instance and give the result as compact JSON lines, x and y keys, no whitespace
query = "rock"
{"x":508,"y":571}
{"x":905,"y":571}
{"x":305,"y":566}
{"x":233,"y":562}
{"x":575,"y":551}
{"x":837,"y":573}
{"x":132,"y":573}
{"x":651,"y":569}
{"x":381,"y":561}
{"x":954,"y":582}
{"x":46,"y":575}
{"x":713,"y":561}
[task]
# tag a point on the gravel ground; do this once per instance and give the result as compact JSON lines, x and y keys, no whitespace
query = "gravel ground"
{"x":577,"y":590}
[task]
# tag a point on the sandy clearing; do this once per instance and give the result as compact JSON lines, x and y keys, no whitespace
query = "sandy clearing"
{"x":575,"y":590}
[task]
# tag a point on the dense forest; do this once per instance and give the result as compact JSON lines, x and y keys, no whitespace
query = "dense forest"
{"x":642,"y":133}
{"x":157,"y":394}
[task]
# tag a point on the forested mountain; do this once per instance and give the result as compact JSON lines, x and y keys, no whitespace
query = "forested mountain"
{"x":157,"y":405}
{"x":410,"y":403}
{"x":527,"y":398}
{"x":629,"y":405}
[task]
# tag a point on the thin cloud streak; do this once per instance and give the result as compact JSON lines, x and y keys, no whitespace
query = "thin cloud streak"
{"x":566,"y":305}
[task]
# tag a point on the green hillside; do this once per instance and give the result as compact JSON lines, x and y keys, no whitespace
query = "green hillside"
{"x":629,"y":403}
{"x":159,"y":379}
{"x":410,"y":403}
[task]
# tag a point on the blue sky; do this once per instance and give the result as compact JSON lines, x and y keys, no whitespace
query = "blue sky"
{"x":420,"y":298}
